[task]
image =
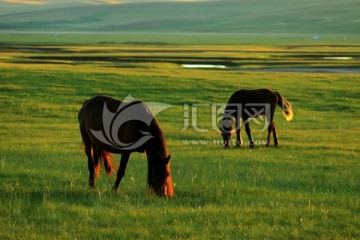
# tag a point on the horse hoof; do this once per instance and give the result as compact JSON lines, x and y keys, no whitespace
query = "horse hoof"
{"x":238,"y":146}
{"x":114,"y":189}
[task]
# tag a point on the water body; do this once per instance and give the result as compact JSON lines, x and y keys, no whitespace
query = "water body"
{"x":306,"y":70}
{"x":203,"y":66}
{"x":279,"y":69}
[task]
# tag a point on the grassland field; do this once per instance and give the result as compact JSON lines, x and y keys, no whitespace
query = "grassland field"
{"x":307,"y":188}
{"x":224,"y":17}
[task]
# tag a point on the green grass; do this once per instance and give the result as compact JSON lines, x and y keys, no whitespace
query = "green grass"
{"x":307,"y":188}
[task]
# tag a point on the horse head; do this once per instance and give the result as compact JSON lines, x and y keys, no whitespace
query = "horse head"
{"x":226,"y":128}
{"x":159,"y":179}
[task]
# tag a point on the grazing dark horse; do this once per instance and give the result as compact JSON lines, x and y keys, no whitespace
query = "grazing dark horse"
{"x":248,"y":104}
{"x":108,"y":125}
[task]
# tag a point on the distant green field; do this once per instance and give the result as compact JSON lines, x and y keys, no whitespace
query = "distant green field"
{"x":324,"y":17}
{"x":141,"y":38}
{"x":308,"y":188}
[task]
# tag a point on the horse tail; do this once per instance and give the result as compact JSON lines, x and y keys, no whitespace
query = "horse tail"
{"x":105,"y":158}
{"x":107,"y":161}
{"x":285,"y":107}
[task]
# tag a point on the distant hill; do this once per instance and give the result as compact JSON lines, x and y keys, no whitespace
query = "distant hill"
{"x":237,"y":16}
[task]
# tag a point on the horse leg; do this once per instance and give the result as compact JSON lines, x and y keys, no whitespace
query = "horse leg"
{"x":89,"y":153}
{"x":238,"y":138}
{"x":276,"y":141}
{"x":121,"y":171}
{"x":93,"y":154}
{"x":91,"y":165}
{"x":247,"y":128}
{"x":270,"y":129}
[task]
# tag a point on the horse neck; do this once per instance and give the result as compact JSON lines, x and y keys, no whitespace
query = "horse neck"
{"x":280,"y":99}
{"x":229,"y":113}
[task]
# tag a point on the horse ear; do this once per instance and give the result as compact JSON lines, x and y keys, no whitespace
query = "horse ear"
{"x":167,"y":159}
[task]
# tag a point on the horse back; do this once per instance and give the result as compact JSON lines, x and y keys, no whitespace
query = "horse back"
{"x":92,"y":110}
{"x":245,"y":96}
{"x":92,"y":118}
{"x":252,"y":103}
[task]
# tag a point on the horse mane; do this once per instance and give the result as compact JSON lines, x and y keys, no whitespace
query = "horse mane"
{"x":159,"y":144}
{"x":157,"y":154}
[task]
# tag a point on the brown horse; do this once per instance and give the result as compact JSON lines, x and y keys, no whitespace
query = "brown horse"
{"x":108,"y":125}
{"x":248,"y":104}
